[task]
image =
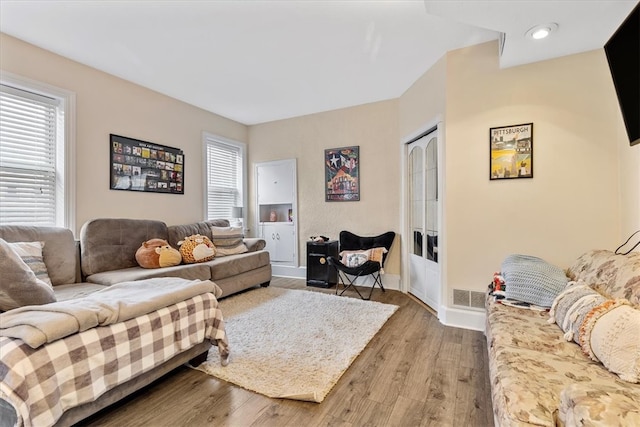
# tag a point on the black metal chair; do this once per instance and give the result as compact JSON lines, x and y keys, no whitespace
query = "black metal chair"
{"x":349,"y":274}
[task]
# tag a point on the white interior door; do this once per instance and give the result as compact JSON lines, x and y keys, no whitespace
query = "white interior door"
{"x":424,"y":224}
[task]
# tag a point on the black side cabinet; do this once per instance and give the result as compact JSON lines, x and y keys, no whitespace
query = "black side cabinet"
{"x":319,"y":272}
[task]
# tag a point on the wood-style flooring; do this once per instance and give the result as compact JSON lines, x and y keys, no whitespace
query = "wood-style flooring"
{"x":414,"y":372}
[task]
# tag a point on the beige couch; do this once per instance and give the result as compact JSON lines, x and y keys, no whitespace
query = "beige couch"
{"x":541,"y":377}
{"x":108,"y":257}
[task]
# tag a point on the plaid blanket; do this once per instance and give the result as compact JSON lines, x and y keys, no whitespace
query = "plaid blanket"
{"x":42,"y":383}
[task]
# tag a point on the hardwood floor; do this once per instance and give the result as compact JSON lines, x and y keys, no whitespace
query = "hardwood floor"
{"x":414,"y":372}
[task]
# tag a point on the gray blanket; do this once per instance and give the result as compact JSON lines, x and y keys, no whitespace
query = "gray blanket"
{"x":40,"y":324}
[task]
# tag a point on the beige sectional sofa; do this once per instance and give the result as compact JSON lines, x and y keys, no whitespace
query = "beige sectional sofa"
{"x":105,"y":255}
{"x":540,"y":376}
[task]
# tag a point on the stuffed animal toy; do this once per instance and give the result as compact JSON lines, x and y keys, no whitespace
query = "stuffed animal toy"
{"x":196,"y":248}
{"x":156,"y":253}
{"x":498,"y":282}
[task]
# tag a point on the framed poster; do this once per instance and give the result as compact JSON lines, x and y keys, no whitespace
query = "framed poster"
{"x":511,"y":152}
{"x":342,"y":174}
{"x":143,"y":166}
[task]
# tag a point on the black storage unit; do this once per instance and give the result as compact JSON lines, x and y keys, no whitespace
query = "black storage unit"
{"x":319,"y":272}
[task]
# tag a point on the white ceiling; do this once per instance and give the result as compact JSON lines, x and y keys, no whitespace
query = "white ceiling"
{"x":257,"y":61}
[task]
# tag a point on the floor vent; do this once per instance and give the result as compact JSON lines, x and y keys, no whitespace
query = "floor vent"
{"x":466,"y":298}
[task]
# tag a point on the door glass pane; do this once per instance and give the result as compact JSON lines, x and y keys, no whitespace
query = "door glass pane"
{"x":416,"y":182}
{"x":431,"y":199}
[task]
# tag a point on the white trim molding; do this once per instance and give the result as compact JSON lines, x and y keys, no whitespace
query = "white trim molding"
{"x":465,"y":319}
{"x":68,"y":100}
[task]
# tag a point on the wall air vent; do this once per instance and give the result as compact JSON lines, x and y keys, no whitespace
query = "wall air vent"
{"x":465,"y":298}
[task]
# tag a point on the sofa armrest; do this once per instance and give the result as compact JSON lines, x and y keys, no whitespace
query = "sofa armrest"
{"x":590,"y":404}
{"x":254,"y":243}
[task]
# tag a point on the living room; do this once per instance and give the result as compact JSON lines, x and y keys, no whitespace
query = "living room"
{"x":585,"y":193}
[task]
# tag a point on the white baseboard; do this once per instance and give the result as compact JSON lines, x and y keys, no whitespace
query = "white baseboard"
{"x":389,"y":281}
{"x":459,"y":318}
{"x":288,"y":271}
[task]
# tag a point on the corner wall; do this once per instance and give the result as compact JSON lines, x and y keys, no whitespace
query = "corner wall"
{"x":572,"y":204}
{"x":373,"y":127}
{"x":107,"y":104}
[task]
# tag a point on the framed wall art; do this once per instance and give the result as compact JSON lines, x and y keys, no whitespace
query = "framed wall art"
{"x":511,"y":152}
{"x":143,"y":166}
{"x":342,"y":174}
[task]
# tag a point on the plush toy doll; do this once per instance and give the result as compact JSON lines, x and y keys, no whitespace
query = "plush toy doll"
{"x":197,"y":248}
{"x":498,"y":282}
{"x":156,"y":253}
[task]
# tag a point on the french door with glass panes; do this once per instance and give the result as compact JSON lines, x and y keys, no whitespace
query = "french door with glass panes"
{"x":424,"y":223}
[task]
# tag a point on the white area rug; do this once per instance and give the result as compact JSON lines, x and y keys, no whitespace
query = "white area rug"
{"x":294,"y":344}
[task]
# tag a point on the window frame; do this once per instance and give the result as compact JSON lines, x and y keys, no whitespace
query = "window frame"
{"x":66,"y":145}
{"x":213,"y":139}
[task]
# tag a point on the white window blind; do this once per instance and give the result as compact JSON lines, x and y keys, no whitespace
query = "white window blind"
{"x":28,"y":136}
{"x":224,"y":161}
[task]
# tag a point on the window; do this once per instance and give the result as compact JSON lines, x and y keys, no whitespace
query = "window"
{"x":225,"y":176}
{"x":35,"y":157}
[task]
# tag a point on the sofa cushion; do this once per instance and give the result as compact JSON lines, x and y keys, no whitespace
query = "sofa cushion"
{"x":531,"y":279}
{"x":224,"y":267}
{"x":19,"y":285}
{"x":526,"y":384}
{"x":31,"y":254}
{"x":615,"y":276}
{"x":605,"y":405}
{"x":508,"y":326}
{"x":111,"y":243}
{"x":60,"y":252}
{"x":199,"y":271}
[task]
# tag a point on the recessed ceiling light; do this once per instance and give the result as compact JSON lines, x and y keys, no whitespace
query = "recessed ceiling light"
{"x":541,"y":31}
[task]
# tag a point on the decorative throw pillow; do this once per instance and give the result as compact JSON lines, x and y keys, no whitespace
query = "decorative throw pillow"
{"x":533,"y":280}
{"x":357,"y":258}
{"x":196,"y":248}
{"x":611,"y":334}
{"x":156,"y":253}
{"x":571,"y":307}
{"x":31,"y":254}
{"x":228,"y":240}
{"x":353,"y":260}
{"x":19,"y":285}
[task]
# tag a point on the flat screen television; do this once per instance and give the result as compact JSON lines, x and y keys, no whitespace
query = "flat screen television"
{"x":623,"y":55}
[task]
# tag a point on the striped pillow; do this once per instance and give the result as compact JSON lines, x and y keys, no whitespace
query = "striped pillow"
{"x":228,"y":240}
{"x":31,"y":254}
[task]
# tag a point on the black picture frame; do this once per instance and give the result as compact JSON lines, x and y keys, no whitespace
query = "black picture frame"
{"x":137,"y":165}
{"x":511,"y":152}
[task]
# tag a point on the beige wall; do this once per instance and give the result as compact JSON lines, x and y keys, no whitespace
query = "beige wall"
{"x":629,"y":187}
{"x":106,"y":104}
{"x":424,"y":102}
{"x":373,"y":127}
{"x":572,"y":204}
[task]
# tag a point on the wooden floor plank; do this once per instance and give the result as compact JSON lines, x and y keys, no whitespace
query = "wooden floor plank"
{"x":415,"y":371}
